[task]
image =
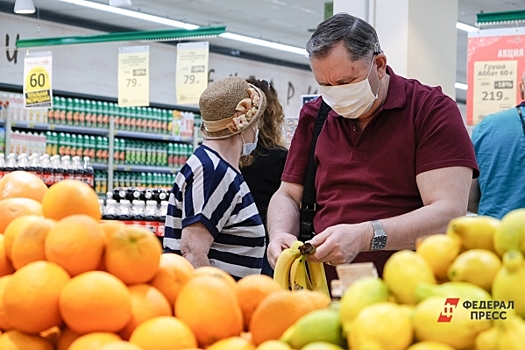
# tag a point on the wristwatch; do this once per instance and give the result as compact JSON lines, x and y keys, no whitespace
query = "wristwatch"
{"x":379,"y":240}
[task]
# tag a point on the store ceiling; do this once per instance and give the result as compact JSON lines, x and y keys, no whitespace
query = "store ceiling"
{"x":284,"y":21}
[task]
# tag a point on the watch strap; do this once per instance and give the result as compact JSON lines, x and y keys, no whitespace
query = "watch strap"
{"x":379,"y":239}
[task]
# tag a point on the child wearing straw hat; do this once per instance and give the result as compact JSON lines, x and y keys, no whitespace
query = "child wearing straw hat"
{"x":212,"y":218}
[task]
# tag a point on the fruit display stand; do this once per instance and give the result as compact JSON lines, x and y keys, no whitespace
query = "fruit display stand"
{"x":461,"y":289}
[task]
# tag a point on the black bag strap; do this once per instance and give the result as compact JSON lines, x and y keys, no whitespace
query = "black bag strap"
{"x":308,"y":206}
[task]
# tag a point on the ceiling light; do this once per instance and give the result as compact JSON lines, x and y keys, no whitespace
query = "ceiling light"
{"x":134,"y":14}
{"x":466,"y":27}
{"x":119,"y":3}
{"x":461,"y":86}
{"x":24,"y":7}
{"x":264,"y":43}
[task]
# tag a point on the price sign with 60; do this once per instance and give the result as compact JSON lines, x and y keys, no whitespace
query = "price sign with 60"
{"x":37,"y":81}
{"x":494,"y":87}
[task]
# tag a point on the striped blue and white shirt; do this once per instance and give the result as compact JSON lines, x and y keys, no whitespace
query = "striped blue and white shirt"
{"x":209,"y":190}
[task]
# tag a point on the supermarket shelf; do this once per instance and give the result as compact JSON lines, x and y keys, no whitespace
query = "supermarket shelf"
{"x":157,"y":137}
{"x":100,"y":166}
{"x":60,"y":128}
{"x":145,"y":169}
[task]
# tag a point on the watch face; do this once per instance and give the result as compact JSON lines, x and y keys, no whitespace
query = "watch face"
{"x":379,"y":242}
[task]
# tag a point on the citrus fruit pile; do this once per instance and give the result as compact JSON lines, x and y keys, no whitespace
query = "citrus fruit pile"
{"x":462,"y":289}
{"x":69,"y":280}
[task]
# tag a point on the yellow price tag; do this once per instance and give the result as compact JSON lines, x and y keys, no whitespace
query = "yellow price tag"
{"x":192,"y":71}
{"x":133,"y":76}
{"x":37,"y":80}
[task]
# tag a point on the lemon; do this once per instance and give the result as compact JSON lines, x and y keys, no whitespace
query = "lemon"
{"x":462,"y":290}
{"x":320,"y":345}
{"x":511,"y":232}
{"x":488,"y":339}
{"x":430,"y":345}
{"x":474,"y":231}
{"x":318,"y":325}
{"x":439,"y":251}
{"x":363,"y":292}
{"x":273,"y":345}
{"x":509,"y":282}
{"x":384,"y":325}
{"x":402,"y":273}
{"x":477,"y":266}
{"x":459,"y":333}
{"x":512,"y":333}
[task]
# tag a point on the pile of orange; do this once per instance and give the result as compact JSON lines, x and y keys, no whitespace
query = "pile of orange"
{"x":69,"y":280}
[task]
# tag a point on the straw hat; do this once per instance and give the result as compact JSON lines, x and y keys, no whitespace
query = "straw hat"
{"x":229,"y":106}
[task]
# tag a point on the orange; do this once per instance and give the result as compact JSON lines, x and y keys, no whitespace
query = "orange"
{"x":31,"y":296}
{"x":15,"y":227}
{"x":6,"y":267}
{"x":232,"y":343}
{"x":12,"y":208}
{"x":4,"y":323}
{"x":119,"y":345}
{"x":215,"y":271}
{"x":163,"y":333}
{"x":21,"y":184}
{"x":67,"y":337}
{"x":251,"y":290}
{"x":210,"y":308}
{"x":110,"y":227}
{"x":76,"y":243}
{"x":133,"y":254}
{"x":173,"y":272}
{"x":93,"y":341}
{"x":95,"y":301}
{"x":146,"y":302}
{"x":70,"y":197}
{"x":28,"y":245}
{"x":17,"y":340}
{"x":279,"y":310}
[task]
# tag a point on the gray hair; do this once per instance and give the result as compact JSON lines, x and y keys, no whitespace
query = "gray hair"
{"x":359,"y":37}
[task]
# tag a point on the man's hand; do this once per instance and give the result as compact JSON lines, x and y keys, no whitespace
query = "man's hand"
{"x":340,"y":244}
{"x":277,"y":245}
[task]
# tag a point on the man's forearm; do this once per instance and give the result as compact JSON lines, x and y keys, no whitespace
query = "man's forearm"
{"x":283,"y":215}
{"x":404,"y":230}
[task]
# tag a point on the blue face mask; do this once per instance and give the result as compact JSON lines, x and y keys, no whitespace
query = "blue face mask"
{"x":248,"y":148}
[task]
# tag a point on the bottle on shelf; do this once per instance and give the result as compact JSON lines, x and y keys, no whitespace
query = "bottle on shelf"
{"x":137,"y":210}
{"x":110,"y":210}
{"x":2,"y":165}
{"x":22,"y":162}
{"x":10,"y":164}
{"x":89,"y":172}
{"x":124,"y":210}
{"x":47,"y":169}
{"x":77,"y":168}
{"x":58,"y":170}
{"x":35,"y":167}
{"x":65,"y":162}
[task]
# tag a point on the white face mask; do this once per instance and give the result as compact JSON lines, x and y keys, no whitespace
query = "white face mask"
{"x":350,"y":100}
{"x":248,"y":148}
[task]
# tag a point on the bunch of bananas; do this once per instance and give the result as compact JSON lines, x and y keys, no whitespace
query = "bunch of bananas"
{"x":294,"y":272}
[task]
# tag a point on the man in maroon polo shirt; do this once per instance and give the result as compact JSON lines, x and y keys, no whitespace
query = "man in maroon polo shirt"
{"x":394,"y":159}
